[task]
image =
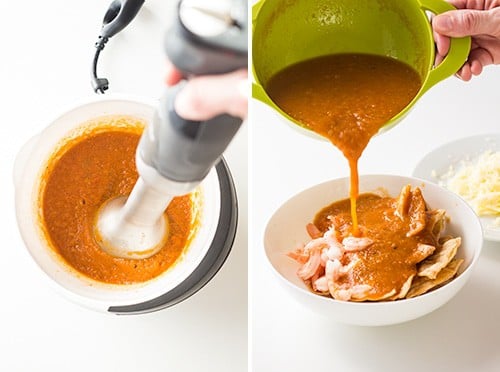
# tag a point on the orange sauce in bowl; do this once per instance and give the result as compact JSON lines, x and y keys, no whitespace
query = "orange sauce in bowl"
{"x":84,"y":173}
{"x":393,"y":257}
{"x":345,"y":98}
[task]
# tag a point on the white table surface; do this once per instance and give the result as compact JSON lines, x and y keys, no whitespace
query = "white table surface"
{"x":47,"y":48}
{"x":464,"y":335}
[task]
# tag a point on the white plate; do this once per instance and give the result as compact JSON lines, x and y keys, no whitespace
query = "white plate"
{"x":438,"y":162}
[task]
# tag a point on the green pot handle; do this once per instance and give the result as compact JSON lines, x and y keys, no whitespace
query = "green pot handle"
{"x":458,"y":53}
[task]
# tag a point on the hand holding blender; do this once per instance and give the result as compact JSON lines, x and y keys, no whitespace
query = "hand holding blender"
{"x":194,"y":123}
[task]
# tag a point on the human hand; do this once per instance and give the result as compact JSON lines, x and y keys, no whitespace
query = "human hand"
{"x":477,"y":18}
{"x":207,"y":96}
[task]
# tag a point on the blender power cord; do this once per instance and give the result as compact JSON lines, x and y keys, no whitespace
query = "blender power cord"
{"x":119,"y":14}
{"x":100,"y":85}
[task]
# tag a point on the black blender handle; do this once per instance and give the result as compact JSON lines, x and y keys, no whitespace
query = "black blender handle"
{"x":119,"y":14}
{"x":183,"y":150}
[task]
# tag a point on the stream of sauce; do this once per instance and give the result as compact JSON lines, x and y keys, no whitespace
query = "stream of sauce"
{"x":346,"y":98}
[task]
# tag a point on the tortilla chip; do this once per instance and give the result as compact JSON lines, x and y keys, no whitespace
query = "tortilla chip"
{"x":422,"y":252}
{"x":404,"y":289}
{"x":416,"y":212}
{"x":368,"y":297}
{"x":444,"y":239}
{"x":440,"y":259}
{"x":436,"y":222}
{"x":422,"y":285}
{"x":403,"y":202}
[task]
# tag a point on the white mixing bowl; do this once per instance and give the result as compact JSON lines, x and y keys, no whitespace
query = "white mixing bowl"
{"x":146,"y":296}
{"x":286,"y":229}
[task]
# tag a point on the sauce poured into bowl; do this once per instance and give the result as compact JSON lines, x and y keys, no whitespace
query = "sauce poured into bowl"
{"x":393,"y":257}
{"x":345,"y":98}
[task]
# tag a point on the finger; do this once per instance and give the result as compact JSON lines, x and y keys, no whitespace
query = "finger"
{"x":465,"y":22}
{"x":475,"y":67}
{"x":442,"y":43}
{"x":459,"y":4}
{"x":468,"y":4}
{"x":439,"y":58}
{"x":172,"y":74}
{"x":465,"y":73}
{"x":207,"y":96}
{"x":479,"y":58}
{"x":492,"y":47}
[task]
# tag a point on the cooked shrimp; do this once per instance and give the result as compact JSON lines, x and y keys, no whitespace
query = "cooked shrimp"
{"x":332,"y":273}
{"x":353,"y":244}
{"x":332,"y":269}
{"x":335,"y":252}
{"x":311,"y":266}
{"x":324,"y":256}
{"x":341,"y":294}
{"x":315,"y":244}
{"x":320,"y":272}
{"x":299,"y":255}
{"x":320,"y":284}
{"x":313,"y":231}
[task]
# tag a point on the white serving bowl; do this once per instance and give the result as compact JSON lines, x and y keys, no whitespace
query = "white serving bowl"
{"x":29,"y":165}
{"x":286,"y":229}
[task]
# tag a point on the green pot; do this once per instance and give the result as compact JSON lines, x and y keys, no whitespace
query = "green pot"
{"x":286,"y":32}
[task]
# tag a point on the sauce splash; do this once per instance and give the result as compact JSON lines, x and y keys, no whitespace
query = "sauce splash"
{"x":346,"y":98}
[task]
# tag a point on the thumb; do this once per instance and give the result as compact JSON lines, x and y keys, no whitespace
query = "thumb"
{"x":465,"y":22}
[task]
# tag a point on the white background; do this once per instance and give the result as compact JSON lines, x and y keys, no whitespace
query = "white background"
{"x":47,"y":48}
{"x":463,"y":335}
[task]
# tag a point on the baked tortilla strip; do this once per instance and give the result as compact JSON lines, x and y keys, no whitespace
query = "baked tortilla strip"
{"x":417,"y":213}
{"x":422,"y":252}
{"x":404,"y":289}
{"x":422,"y":285}
{"x":439,"y":259}
{"x":436,"y":222}
{"x":403,"y":203}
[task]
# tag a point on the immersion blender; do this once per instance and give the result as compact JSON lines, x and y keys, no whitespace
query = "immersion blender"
{"x":174,"y":155}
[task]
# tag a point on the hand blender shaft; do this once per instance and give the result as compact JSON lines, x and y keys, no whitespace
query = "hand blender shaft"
{"x":174,"y":155}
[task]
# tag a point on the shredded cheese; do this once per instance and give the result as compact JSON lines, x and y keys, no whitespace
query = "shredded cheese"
{"x":478,"y":182}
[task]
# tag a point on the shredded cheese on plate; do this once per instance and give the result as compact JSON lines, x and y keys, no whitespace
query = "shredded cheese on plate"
{"x":478,"y":182}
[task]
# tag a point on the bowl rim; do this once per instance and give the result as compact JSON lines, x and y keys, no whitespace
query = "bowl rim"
{"x":27,"y":221}
{"x":375,"y":304}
